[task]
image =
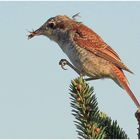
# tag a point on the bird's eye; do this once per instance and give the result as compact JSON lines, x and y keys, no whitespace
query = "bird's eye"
{"x":51,"y":25}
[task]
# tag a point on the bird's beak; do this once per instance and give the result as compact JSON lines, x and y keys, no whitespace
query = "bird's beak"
{"x":36,"y":32}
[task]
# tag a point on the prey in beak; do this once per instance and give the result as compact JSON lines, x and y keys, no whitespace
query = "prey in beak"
{"x":32,"y":34}
{"x":35,"y":33}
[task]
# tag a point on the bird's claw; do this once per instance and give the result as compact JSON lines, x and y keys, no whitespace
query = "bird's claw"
{"x":62,"y":63}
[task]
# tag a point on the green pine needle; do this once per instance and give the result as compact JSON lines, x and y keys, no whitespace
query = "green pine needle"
{"x":90,"y":122}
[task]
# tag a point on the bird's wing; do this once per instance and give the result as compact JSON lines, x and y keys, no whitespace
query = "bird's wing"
{"x":92,"y":42}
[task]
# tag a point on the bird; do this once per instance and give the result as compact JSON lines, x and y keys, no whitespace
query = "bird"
{"x":88,"y":53}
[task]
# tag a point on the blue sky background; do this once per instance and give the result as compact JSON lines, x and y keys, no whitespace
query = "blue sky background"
{"x":34,"y":90}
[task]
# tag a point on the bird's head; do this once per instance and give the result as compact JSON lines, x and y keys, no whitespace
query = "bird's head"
{"x":54,"y":26}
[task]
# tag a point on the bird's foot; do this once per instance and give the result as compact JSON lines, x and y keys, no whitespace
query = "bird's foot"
{"x":64,"y":62}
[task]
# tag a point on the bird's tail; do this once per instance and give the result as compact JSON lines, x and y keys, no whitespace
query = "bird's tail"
{"x":121,"y":79}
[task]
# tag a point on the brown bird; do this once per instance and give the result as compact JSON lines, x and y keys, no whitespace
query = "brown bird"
{"x":87,"y":51}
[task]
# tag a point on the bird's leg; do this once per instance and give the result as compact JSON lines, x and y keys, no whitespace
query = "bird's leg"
{"x":89,"y":79}
{"x":64,"y":62}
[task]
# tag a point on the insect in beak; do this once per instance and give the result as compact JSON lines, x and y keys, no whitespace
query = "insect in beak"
{"x":32,"y":34}
{"x":35,"y":33}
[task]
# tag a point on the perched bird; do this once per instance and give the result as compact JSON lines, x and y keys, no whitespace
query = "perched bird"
{"x":89,"y":54}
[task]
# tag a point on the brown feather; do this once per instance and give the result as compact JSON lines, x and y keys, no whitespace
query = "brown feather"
{"x":122,"y":80}
{"x":89,"y":40}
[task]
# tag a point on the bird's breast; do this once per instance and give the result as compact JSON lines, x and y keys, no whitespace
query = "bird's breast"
{"x":85,"y":62}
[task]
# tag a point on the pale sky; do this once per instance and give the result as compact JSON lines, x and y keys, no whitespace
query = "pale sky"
{"x":34,"y":90}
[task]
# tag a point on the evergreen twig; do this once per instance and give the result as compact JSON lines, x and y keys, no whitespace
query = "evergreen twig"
{"x":137,"y":115}
{"x":90,"y":122}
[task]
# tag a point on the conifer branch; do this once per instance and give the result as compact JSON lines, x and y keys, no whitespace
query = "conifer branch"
{"x":91,"y":123}
{"x":137,"y":115}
